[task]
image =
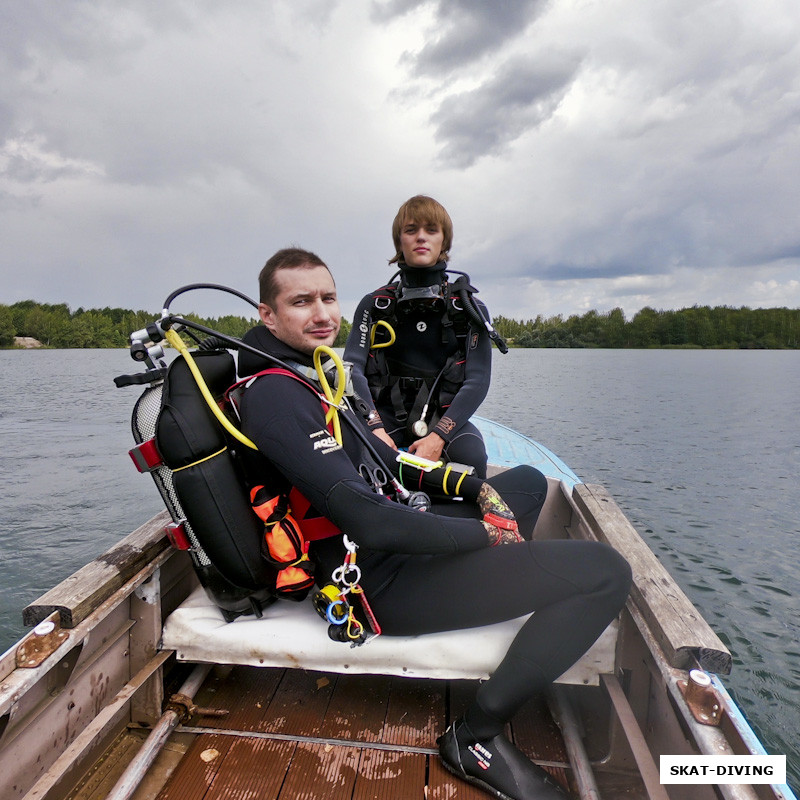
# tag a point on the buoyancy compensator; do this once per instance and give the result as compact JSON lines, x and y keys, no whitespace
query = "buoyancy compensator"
{"x":456,"y":297}
{"x":199,"y":471}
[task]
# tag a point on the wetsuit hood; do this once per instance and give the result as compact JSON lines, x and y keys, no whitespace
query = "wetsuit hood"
{"x":263,"y":339}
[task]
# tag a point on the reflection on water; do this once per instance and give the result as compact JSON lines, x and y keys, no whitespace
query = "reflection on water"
{"x":700,"y":449}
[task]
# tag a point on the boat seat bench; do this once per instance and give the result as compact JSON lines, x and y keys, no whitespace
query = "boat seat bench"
{"x":293,"y":635}
{"x":289,"y":634}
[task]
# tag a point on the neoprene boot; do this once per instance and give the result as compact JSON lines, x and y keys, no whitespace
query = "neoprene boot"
{"x":495,"y":765}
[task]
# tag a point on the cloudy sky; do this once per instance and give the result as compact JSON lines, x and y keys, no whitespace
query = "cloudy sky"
{"x":592,"y":153}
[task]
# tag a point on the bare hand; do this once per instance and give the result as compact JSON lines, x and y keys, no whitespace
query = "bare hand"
{"x":429,"y":447}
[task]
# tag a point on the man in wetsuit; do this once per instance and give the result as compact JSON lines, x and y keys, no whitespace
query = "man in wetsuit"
{"x":418,"y":567}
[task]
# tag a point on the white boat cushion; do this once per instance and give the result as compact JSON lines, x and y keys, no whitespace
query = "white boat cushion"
{"x":293,"y":635}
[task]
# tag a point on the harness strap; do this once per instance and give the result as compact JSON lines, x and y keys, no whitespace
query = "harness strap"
{"x":289,"y":374}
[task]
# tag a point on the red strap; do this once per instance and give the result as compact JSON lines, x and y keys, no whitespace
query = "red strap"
{"x":501,"y":522}
{"x":288,"y":374}
{"x":270,"y":371}
{"x":146,"y":456}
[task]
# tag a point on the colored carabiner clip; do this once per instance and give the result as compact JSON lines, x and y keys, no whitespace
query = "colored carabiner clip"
{"x":331,"y":613}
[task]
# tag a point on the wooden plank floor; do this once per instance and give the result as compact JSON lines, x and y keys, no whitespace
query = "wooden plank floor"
{"x":295,"y":735}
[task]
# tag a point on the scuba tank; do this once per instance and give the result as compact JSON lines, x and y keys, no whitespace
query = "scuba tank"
{"x":199,"y":481}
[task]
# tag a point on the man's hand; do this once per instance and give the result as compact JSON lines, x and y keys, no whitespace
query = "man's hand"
{"x":384,"y":437}
{"x":429,"y":447}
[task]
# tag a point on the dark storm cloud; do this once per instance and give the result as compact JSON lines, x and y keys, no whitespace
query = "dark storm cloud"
{"x":520,"y":94}
{"x":464,"y":30}
{"x":523,"y":94}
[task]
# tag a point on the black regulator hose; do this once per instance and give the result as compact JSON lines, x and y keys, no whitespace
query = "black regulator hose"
{"x":464,"y":290}
{"x":216,"y":286}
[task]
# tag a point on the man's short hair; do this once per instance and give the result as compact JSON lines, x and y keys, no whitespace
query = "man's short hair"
{"x":422,"y":210}
{"x":288,"y":258}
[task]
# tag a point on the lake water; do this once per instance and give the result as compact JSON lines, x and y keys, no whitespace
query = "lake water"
{"x":700,"y":449}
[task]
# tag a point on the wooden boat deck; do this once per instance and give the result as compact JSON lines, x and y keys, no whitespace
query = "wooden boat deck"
{"x":293,"y":734}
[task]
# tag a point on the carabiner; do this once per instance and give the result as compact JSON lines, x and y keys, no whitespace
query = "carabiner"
{"x":341,"y":575}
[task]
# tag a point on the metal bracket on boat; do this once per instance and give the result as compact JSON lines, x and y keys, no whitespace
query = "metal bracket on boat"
{"x":702,"y":698}
{"x":40,"y":643}
{"x":184,"y":707}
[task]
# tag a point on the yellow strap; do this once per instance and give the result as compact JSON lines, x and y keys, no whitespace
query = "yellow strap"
{"x":460,"y":481}
{"x":392,"y":335}
{"x":207,"y":458}
{"x":175,"y":340}
{"x":447,"y":471}
{"x":354,"y":627}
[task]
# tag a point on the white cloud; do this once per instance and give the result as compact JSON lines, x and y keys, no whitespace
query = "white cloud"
{"x":759,"y":287}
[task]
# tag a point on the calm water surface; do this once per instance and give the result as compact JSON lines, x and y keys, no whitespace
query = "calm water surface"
{"x":700,"y":449}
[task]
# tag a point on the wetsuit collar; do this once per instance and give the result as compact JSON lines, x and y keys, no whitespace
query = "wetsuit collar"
{"x":263,"y":339}
{"x":415,"y":277}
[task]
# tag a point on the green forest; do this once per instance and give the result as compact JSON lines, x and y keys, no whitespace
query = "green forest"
{"x":56,"y":326}
{"x":697,"y":327}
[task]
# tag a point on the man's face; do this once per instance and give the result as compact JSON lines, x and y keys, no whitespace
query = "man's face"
{"x":305,"y":311}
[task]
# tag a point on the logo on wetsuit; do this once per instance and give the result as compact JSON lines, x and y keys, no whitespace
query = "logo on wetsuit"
{"x":482,"y":754}
{"x":364,"y":329}
{"x":324,"y":441}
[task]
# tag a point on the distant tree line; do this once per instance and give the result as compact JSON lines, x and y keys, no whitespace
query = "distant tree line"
{"x":698,"y":326}
{"x":56,"y":326}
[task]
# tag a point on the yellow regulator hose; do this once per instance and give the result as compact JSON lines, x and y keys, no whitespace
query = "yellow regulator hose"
{"x":341,"y":379}
{"x":333,"y":399}
{"x":392,"y":336}
{"x":175,"y":340}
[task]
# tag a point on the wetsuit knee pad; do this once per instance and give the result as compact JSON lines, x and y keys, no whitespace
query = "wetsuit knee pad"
{"x":468,"y":448}
{"x":615,"y":569}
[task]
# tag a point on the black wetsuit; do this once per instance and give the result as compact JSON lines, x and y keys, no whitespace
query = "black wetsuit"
{"x":426,"y":339}
{"x":426,"y":572}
